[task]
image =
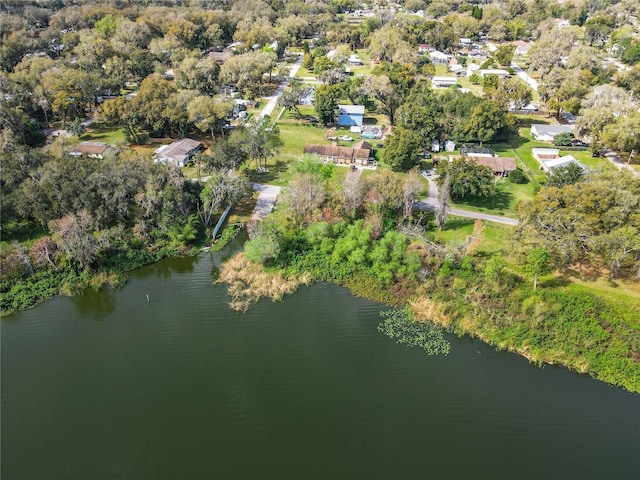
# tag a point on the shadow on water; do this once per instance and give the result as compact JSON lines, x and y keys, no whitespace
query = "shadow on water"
{"x":167,"y":267}
{"x":95,"y":305}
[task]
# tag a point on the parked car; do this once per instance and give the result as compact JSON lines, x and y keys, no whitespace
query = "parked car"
{"x":345,"y":138}
{"x":578,"y":143}
{"x":426,"y":173}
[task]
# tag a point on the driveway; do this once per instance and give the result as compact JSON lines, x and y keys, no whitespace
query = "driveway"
{"x":266,"y":200}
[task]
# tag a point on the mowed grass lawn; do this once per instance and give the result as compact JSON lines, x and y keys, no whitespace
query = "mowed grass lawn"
{"x":494,"y":237}
{"x":504,"y":202}
{"x":99,"y":132}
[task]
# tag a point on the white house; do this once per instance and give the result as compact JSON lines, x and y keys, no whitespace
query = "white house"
{"x":179,"y":153}
{"x":354,"y":60}
{"x":562,"y":162}
{"x":439,"y":57}
{"x":444,"y":81}
{"x":349,"y":115}
{"x":546,"y":133}
{"x":500,"y":73}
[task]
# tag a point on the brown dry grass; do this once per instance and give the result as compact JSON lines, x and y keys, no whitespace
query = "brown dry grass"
{"x":426,"y":310}
{"x":249,"y":281}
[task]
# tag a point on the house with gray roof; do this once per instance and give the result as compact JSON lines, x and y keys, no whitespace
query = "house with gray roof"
{"x":546,"y":133}
{"x":178,"y":153}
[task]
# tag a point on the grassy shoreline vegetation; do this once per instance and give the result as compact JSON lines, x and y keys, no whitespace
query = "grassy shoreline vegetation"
{"x":580,"y":330}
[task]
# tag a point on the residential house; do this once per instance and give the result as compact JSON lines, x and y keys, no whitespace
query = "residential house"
{"x":439,"y":57}
{"x":90,"y":149}
{"x":477,"y":151}
{"x":219,"y":57}
{"x":349,"y":115}
{"x":178,"y":153}
{"x":359,"y":154}
{"x":522,"y":47}
{"x":546,"y":133}
{"x":354,"y":60}
{"x":500,"y":165}
{"x":549,"y":165}
{"x":444,"y":82}
{"x":493,"y":71}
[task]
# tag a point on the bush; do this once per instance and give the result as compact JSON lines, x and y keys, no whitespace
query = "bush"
{"x":563,"y":139}
{"x":516,"y":176}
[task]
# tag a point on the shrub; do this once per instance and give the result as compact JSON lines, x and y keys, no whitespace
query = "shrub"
{"x":516,"y":176}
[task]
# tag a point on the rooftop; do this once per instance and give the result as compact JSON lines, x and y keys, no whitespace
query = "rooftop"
{"x":349,"y":109}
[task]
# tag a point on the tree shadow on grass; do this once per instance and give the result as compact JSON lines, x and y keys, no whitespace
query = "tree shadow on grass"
{"x":500,"y":201}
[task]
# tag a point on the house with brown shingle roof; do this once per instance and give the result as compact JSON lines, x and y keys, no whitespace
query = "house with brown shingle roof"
{"x":359,"y":154}
{"x":499,"y":165}
{"x":90,"y":149}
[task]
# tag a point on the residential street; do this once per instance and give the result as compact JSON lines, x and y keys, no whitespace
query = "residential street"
{"x":273,"y":100}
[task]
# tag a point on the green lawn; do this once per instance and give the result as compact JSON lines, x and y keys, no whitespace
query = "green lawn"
{"x":504,"y":202}
{"x":99,"y":132}
{"x":494,"y":238}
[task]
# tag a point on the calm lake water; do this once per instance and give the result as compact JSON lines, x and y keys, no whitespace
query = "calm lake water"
{"x":108,"y":386}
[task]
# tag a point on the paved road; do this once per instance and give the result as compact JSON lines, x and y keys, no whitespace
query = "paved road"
{"x":429,"y":204}
{"x":273,"y":100}
{"x":266,"y":200}
{"x":526,"y":78}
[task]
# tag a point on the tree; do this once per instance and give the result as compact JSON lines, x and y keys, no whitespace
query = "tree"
{"x":209,"y":113}
{"x":504,"y":54}
{"x":566,"y":220}
{"x":466,"y":178}
{"x":222,"y":189}
{"x":565,"y":175}
{"x":263,"y":140}
{"x":486,"y":122}
{"x":387,"y":44}
{"x":325,"y":104}
{"x":290,"y":99}
{"x":537,"y":263}
{"x":512,"y":93}
{"x":421,"y":113}
{"x":623,"y":135}
{"x":352,"y":192}
{"x":411,"y":189}
{"x":495,"y":267}
{"x":442,"y":207}
{"x":305,"y":195}
{"x":228,"y":153}
{"x":400,"y":150}
{"x":563,"y":139}
{"x":385,"y":92}
{"x":72,"y":234}
{"x":618,"y":247}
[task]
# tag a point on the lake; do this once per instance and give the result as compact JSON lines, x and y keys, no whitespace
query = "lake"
{"x":110,"y":386}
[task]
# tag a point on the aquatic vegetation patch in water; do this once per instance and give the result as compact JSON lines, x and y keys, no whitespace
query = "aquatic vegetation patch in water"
{"x":249,"y":281}
{"x":398,"y":324}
